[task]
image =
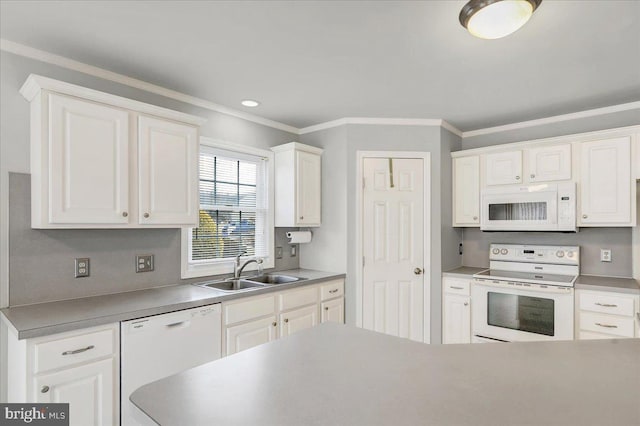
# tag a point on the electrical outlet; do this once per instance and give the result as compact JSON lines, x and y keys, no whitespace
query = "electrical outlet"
{"x":144,"y":263}
{"x":294,"y":251}
{"x":278,"y":252}
{"x":82,"y":267}
{"x":605,"y":255}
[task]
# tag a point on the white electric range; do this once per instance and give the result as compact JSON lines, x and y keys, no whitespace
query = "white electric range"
{"x":526,"y":295}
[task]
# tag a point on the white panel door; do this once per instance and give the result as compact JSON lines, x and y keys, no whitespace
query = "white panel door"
{"x":503,"y":168}
{"x":309,"y":189}
{"x":605,"y":185}
{"x":333,"y":311}
{"x":298,"y":319}
{"x":456,"y":327}
{"x":168,"y":172}
{"x":89,"y":162}
{"x":250,"y":334}
{"x":466,"y":180}
{"x":89,"y":389}
{"x":393,"y":247}
{"x":549,"y":163}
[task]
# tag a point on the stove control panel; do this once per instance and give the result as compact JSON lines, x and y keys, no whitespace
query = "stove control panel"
{"x":561,"y":255}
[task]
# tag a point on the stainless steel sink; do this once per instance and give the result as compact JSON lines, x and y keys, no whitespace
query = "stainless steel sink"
{"x":274,"y":279}
{"x":233,"y":285}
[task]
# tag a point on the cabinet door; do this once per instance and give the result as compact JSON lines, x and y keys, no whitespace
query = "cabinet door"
{"x":89,"y":162}
{"x":549,"y":163}
{"x":605,"y":184}
{"x":503,"y":168}
{"x":298,"y":319}
{"x":333,"y":311}
{"x":89,"y":389}
{"x":168,"y":172}
{"x":250,"y":334}
{"x":457,"y":319}
{"x":466,"y":178}
{"x":308,"y":190}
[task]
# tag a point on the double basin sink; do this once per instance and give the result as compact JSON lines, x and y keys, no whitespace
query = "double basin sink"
{"x":249,"y":283}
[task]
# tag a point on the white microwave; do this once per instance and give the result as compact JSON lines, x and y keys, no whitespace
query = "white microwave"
{"x":544,"y":207}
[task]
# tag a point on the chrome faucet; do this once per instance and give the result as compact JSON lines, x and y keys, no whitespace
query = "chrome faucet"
{"x":237,"y":269}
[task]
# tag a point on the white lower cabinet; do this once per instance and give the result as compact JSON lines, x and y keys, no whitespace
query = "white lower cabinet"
{"x":606,"y":315}
{"x":456,"y":310}
{"x":79,"y":367}
{"x":252,"y":321}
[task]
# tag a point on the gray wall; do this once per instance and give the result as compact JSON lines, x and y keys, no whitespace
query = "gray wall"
{"x":591,"y":240}
{"x":40,"y":261}
{"x":451,"y":237}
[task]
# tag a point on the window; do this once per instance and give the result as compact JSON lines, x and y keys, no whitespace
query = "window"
{"x":236,"y":214}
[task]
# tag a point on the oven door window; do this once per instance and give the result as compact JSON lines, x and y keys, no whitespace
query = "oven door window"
{"x":530,"y":211}
{"x":523,"y":313}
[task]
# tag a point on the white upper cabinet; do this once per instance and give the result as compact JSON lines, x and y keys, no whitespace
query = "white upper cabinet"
{"x":168,"y":172}
{"x":89,"y":163}
{"x":607,"y":196}
{"x":466,"y":200}
{"x":503,"y":168}
{"x":90,"y":168}
{"x":549,"y":163}
{"x":298,"y":185}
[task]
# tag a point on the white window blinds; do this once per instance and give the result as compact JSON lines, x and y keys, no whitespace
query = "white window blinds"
{"x":233,"y":207}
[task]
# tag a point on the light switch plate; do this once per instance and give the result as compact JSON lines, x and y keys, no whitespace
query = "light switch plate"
{"x":82,"y":267}
{"x":144,"y":263}
{"x":294,"y":250}
{"x":605,"y":255}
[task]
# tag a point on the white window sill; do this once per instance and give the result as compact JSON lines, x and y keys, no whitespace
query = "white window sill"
{"x":220,"y":268}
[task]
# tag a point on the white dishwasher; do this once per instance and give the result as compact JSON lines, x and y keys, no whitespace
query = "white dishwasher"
{"x":158,"y":346}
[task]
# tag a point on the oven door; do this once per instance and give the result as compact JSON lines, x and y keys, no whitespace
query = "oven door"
{"x":503,"y":312}
{"x":520,"y":211}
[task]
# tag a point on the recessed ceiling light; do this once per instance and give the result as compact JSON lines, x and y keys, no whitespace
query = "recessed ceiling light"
{"x":491,"y":19}
{"x":250,"y":103}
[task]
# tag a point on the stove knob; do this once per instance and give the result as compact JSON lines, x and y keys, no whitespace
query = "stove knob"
{"x":504,"y":251}
{"x":570,"y":254}
{"x":496,"y":251}
{"x":560,"y":253}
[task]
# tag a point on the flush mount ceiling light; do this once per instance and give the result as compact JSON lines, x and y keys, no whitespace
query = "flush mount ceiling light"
{"x":491,"y":19}
{"x":250,"y":103}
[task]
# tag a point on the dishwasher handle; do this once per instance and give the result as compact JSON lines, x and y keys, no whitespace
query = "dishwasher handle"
{"x":179,"y":324}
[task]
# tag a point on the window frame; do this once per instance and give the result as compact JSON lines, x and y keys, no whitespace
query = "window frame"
{"x":191,"y":269}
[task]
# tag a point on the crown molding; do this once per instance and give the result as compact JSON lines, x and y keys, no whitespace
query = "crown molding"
{"x":553,"y":119}
{"x":61,"y":61}
{"x":381,"y":121}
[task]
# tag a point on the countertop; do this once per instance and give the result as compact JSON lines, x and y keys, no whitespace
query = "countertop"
{"x":55,"y":317}
{"x":583,"y":282}
{"x":338,"y":375}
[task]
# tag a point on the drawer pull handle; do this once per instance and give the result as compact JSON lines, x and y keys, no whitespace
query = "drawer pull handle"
{"x":333,"y":291}
{"x":606,"y":305}
{"x":44,"y":389}
{"x":457,"y":288}
{"x":78,"y":351}
{"x":606,"y":325}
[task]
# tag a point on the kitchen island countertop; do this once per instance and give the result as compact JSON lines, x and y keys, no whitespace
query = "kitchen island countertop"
{"x":338,"y":375}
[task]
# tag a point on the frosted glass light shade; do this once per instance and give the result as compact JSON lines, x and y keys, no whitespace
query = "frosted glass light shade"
{"x":495,"y":19}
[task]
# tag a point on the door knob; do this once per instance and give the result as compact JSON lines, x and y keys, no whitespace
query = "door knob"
{"x":417,"y":271}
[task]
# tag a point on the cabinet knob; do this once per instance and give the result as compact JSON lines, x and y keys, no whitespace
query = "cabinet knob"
{"x":517,"y":177}
{"x":475,"y":218}
{"x":466,"y":303}
{"x":274,"y":323}
{"x":44,"y":389}
{"x":533,"y":176}
{"x":125,"y":214}
{"x":417,"y":271}
{"x":584,"y":216}
{"x":326,"y":308}
{"x":301,"y":217}
{"x":286,"y":320}
{"x":146,"y":215}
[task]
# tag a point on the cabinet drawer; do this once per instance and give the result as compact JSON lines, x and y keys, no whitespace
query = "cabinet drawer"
{"x":295,"y":298}
{"x":249,"y":309}
{"x":68,"y":351}
{"x":332,"y":289}
{"x":590,"y":335}
{"x":608,"y":324}
{"x":606,"y":303}
{"x":456,"y":286}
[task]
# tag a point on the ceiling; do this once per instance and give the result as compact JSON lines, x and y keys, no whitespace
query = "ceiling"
{"x":312,"y":62}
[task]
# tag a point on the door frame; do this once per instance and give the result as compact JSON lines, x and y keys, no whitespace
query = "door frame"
{"x":426,"y":157}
